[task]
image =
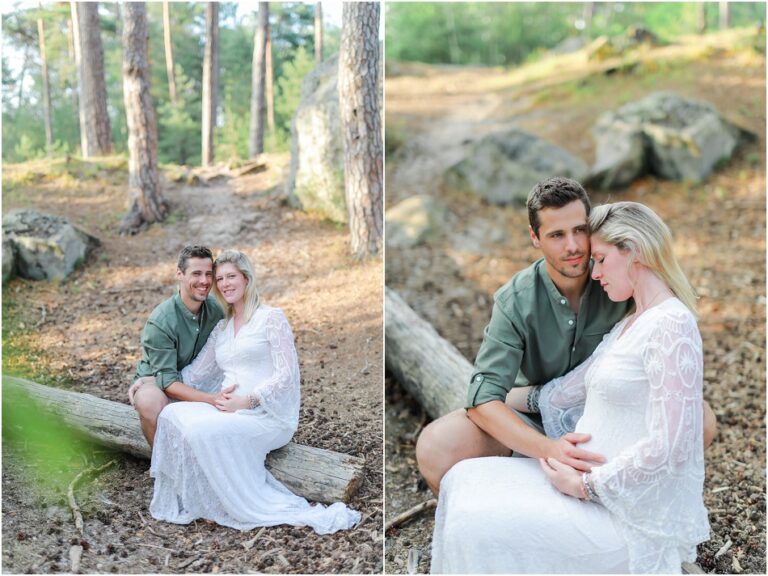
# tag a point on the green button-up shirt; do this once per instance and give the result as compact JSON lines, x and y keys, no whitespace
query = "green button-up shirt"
{"x":534,"y":336}
{"x":173,"y":336}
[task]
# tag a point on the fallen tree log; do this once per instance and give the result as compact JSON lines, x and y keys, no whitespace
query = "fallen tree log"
{"x":314,"y":473}
{"x":432,"y":370}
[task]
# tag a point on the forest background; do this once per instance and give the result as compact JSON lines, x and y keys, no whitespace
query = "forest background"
{"x":179,"y":135}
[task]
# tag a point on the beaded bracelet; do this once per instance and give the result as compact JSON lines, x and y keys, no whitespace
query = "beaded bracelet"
{"x":532,"y":400}
{"x":588,"y":489}
{"x":253,"y":401}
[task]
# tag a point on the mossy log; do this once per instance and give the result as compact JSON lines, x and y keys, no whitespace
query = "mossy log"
{"x":314,"y":473}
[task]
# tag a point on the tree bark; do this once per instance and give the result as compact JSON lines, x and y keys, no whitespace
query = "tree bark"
{"x":169,"y":52}
{"x":318,"y":34}
{"x":314,"y":473}
{"x":210,"y":80}
{"x":701,"y":17}
{"x":258,"y":81}
{"x":432,"y":370}
{"x":361,"y":125}
{"x":270,"y":85}
{"x":95,"y":134}
{"x":725,"y":14}
{"x":145,"y":199}
{"x":46,"y":86}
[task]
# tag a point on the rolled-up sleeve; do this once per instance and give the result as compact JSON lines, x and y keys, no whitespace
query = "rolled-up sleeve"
{"x":498,"y":360}
{"x":161,"y":351}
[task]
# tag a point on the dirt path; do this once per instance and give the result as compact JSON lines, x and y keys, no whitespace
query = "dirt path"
{"x":83,"y":334}
{"x":719,"y":229}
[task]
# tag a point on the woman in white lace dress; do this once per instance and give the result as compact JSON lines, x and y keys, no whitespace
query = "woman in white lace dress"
{"x":208,"y":461}
{"x":640,"y":397}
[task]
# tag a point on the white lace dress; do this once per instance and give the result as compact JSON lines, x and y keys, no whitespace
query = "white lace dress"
{"x":641,"y":397}
{"x":210,"y":464}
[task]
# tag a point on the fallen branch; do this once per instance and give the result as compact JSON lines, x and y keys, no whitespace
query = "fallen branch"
{"x":314,"y":473}
{"x":408,"y":514}
{"x":71,"y":493}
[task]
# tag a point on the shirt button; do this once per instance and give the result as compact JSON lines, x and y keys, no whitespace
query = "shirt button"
{"x":570,"y":322}
{"x":197,"y":329}
{"x":479,"y":378}
{"x":194,"y":317}
{"x":562,"y":301}
{"x":573,"y":349}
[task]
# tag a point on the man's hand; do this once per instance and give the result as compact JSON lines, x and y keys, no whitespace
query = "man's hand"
{"x":565,"y":451}
{"x":132,"y":391}
{"x":225,"y":398}
{"x":563,"y":477}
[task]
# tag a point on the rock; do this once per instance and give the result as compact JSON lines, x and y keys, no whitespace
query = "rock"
{"x":679,"y":139}
{"x":503,"y":167}
{"x":413,"y":221}
{"x":316,"y":177}
{"x":46,"y":247}
{"x":9,"y":259}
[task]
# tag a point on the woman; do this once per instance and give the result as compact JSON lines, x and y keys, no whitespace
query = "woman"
{"x":641,"y":395}
{"x":208,"y":461}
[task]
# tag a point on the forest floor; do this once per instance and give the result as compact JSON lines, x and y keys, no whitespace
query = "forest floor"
{"x":434,"y":113}
{"x":83,"y":334}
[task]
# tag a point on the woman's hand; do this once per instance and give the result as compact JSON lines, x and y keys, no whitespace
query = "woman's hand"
{"x":226,"y":401}
{"x":563,"y":477}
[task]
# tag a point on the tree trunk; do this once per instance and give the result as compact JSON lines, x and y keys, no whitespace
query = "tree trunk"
{"x":432,"y":370}
{"x":210,"y":80}
{"x":318,"y":34}
{"x":95,"y":134}
{"x":73,"y":52}
{"x":258,"y":81}
{"x":169,"y":52}
{"x":314,"y":473}
{"x":725,"y":14}
{"x":701,"y":17}
{"x":361,"y":125}
{"x":146,"y":201}
{"x":270,"y":85}
{"x":46,"y":86}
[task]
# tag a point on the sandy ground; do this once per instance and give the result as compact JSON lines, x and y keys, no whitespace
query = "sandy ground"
{"x":83,"y":334}
{"x":719,"y":227}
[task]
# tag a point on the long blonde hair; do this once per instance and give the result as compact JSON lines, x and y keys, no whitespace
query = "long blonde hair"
{"x":633,"y":227}
{"x":243,"y":264}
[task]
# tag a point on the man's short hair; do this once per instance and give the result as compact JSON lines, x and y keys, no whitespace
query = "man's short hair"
{"x":193,"y":251}
{"x":554,"y":193}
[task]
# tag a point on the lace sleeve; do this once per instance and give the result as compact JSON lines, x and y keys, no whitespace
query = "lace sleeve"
{"x":280,"y":396}
{"x":203,"y":373}
{"x":655,"y":487}
{"x":561,"y":401}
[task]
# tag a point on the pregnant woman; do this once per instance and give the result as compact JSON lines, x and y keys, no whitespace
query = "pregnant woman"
{"x":208,"y":460}
{"x":640,"y":397}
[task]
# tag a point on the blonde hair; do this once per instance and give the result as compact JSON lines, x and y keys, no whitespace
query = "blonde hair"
{"x":635,"y":228}
{"x":243,"y":264}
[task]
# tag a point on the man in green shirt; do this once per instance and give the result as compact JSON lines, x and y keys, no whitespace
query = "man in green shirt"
{"x":546,"y":321}
{"x":174,"y":334}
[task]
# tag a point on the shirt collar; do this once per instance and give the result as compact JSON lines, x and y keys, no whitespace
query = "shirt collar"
{"x":185,"y":312}
{"x":552,"y":290}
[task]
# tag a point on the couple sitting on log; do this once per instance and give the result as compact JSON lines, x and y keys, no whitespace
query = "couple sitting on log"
{"x":614,"y":425}
{"x":217,"y":390}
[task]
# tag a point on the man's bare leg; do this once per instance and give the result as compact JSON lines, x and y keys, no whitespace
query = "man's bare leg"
{"x":149,"y":401}
{"x":450,"y":439}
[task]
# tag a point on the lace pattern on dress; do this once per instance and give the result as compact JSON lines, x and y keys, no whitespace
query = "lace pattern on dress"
{"x":204,"y":373}
{"x":561,"y":401}
{"x":280,"y":397}
{"x":654,"y":487}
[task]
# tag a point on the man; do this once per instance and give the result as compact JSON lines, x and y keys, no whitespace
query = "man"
{"x":546,"y":321}
{"x":173,"y":336}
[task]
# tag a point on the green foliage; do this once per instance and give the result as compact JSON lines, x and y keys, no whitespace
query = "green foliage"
{"x":179,"y":131}
{"x":505,"y":34}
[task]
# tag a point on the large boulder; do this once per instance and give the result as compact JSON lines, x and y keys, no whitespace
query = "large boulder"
{"x":665,"y":134}
{"x":503,"y":167}
{"x":9,"y":259}
{"x":414,"y":220}
{"x":46,"y":247}
{"x":316,"y":177}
